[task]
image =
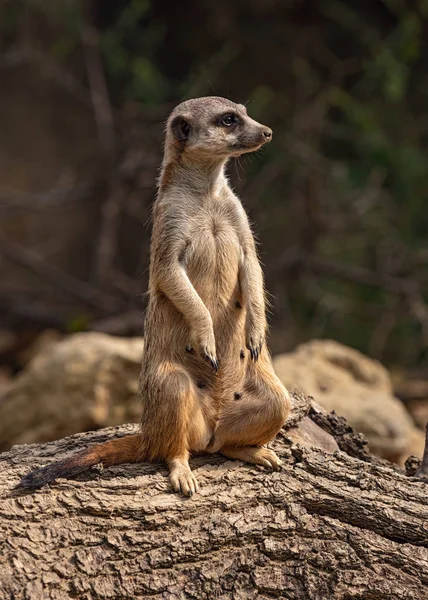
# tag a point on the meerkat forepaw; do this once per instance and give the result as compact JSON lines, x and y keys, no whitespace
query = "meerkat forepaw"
{"x":208,"y":356}
{"x":212,"y":360}
{"x":203,"y":341}
{"x":255,"y":345}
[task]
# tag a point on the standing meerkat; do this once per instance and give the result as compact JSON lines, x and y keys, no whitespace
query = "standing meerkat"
{"x":207,"y":382}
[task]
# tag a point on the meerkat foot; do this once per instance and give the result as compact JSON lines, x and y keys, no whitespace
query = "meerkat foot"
{"x":182,"y":478}
{"x":255,"y":455}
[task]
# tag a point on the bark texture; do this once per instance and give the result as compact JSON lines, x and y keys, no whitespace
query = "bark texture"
{"x":327,"y":526}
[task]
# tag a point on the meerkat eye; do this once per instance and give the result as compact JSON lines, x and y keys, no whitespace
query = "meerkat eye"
{"x":229,"y":119}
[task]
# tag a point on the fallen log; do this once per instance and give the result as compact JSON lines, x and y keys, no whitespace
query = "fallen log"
{"x":326,"y":526}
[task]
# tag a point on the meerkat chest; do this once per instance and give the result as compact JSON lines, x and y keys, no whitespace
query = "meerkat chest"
{"x":214,"y":253}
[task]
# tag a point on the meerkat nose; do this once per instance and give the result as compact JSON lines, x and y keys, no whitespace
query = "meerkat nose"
{"x":267,"y":134}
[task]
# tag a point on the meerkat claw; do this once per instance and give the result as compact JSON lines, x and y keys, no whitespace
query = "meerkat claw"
{"x":254,"y":353}
{"x":214,"y":364}
{"x":255,"y":349}
{"x":212,"y":361}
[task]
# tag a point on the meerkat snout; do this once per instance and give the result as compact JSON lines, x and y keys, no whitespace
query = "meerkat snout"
{"x":267,"y":134}
{"x":250,"y":137}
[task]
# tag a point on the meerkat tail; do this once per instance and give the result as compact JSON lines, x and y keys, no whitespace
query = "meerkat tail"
{"x":115,"y":452}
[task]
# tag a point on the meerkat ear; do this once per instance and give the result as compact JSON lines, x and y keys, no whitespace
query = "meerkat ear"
{"x":180,"y":127}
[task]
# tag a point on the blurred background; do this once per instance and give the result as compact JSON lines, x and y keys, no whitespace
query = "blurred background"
{"x":338,"y":199}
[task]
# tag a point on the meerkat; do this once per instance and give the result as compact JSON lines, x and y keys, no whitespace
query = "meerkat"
{"x":207,"y":382}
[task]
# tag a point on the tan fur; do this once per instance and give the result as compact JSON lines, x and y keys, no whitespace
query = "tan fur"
{"x":206,"y":305}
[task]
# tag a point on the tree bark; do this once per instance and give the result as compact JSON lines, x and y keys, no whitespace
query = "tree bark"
{"x":326,"y":526}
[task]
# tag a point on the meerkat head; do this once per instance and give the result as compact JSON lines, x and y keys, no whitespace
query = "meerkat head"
{"x":214,"y":127}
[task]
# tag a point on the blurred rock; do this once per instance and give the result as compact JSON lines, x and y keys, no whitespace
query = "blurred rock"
{"x":415,"y":445}
{"x":43,"y":341}
{"x":87,"y":381}
{"x":412,"y":389}
{"x":357,"y":387}
{"x":7,"y":340}
{"x":5,"y":379}
{"x":414,"y":393}
{"x":419,"y":411}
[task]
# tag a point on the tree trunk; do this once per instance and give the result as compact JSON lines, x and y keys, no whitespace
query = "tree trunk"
{"x":327,"y":526}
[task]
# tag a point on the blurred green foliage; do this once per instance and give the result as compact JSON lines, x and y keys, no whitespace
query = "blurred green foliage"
{"x":345,"y":87}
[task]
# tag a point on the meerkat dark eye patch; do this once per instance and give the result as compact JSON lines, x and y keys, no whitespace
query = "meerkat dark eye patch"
{"x":228,"y":120}
{"x":180,"y":127}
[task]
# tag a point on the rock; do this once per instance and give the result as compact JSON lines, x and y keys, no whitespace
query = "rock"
{"x":86,"y":381}
{"x":43,"y":341}
{"x":419,"y":411}
{"x":414,"y":394}
{"x":7,"y":340}
{"x":415,"y":446}
{"x":5,"y":379}
{"x":357,"y":387}
{"x":411,"y":389}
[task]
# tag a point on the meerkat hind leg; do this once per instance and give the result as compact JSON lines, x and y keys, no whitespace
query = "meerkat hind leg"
{"x":176,"y":424}
{"x":253,"y":420}
{"x":255,"y":455}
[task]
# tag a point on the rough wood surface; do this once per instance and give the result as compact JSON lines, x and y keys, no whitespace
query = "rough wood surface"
{"x":325,"y":527}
